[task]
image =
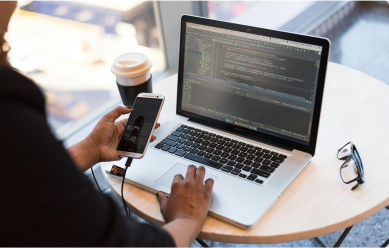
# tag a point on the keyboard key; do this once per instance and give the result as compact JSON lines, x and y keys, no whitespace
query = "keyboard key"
{"x":259,"y":181}
{"x":251,"y":151}
{"x":214,"y":140}
{"x":228,"y":144}
{"x":191,"y":128}
{"x":172,"y":150}
{"x":235,"y":152}
{"x":201,"y":153}
{"x":274,"y":153}
{"x":267,"y":168}
{"x":204,"y":132}
{"x":282,"y":156}
{"x":186,"y":131}
{"x":180,"y":129}
{"x":181,"y":141}
{"x":234,"y":141}
{"x":175,"y":133}
{"x":239,"y":160}
{"x":159,"y":145}
{"x":221,"y":142}
{"x":241,"y":143}
{"x":215,"y":158}
{"x":165,"y":148}
{"x":275,"y":164}
{"x":200,"y":136}
{"x":259,"y":160}
{"x":184,"y":126}
{"x":260,"y":173}
{"x":227,"y":150}
{"x":180,"y":146}
{"x":232,"y":157}
{"x":208,"y":155}
{"x":242,"y":154}
{"x":242,"y":175}
{"x":236,"y":147}
{"x":265,"y":151}
{"x":203,"y":160}
{"x":171,"y":137}
{"x":231,"y":163}
{"x":192,"y":138}
{"x":219,"y":136}
{"x":223,"y":160}
{"x":247,"y":162}
{"x":266,"y":162}
{"x":257,"y":148}
{"x":195,"y":145}
{"x":239,"y":166}
{"x":198,"y":140}
{"x":169,"y":142}
{"x":247,"y":168}
{"x":256,"y":165}
{"x":235,"y":171}
{"x":252,"y":177}
{"x":226,"y":168}
{"x":220,"y":147}
{"x":259,"y":154}
{"x":277,"y":159}
{"x":226,"y":139}
{"x":206,"y":143}
{"x":267,"y":156}
{"x":217,"y":152}
{"x":186,"y":148}
{"x":207,"y":137}
{"x":224,"y":155}
{"x":212,"y":134}
{"x":198,"y":130}
{"x":210,"y":150}
{"x":251,"y":157}
{"x":202,"y":147}
{"x":188,"y":143}
{"x":249,"y":146}
{"x":194,"y":150}
{"x":185,"y":136}
{"x":180,"y":153}
{"x":243,"y":149}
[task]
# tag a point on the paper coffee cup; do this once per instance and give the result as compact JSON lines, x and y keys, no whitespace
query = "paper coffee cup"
{"x":132,"y":71}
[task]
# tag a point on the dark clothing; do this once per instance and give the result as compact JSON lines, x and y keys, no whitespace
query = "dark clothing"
{"x":45,"y":199}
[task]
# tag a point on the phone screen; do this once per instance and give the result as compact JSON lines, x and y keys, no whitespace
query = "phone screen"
{"x":139,"y":125}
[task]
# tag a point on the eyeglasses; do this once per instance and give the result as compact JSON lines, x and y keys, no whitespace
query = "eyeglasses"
{"x":352,"y":169}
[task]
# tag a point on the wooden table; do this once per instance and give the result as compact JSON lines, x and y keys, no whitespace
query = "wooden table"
{"x":355,"y":107}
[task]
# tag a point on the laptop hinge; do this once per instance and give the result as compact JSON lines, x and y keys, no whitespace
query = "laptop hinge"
{"x":235,"y":132}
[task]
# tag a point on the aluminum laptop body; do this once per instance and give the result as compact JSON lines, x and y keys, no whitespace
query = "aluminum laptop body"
{"x":261,"y":89}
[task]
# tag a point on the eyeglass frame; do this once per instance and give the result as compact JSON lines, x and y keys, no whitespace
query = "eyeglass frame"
{"x":358,"y":164}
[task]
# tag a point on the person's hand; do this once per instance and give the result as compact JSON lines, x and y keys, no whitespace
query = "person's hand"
{"x":106,"y":135}
{"x":188,"y":201}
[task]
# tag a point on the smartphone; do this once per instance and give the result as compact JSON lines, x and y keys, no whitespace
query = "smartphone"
{"x":139,"y":128}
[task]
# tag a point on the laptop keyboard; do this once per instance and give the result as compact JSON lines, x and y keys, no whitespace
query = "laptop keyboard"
{"x":222,"y":153}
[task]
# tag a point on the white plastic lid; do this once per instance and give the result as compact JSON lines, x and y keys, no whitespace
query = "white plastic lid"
{"x":130,"y":65}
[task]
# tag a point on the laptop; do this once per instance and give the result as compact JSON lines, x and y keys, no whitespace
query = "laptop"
{"x":248,"y":110}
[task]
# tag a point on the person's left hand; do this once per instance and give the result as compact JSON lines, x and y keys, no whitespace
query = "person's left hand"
{"x":106,"y":134}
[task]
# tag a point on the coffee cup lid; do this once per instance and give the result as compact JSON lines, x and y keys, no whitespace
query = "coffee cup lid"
{"x":131,"y":65}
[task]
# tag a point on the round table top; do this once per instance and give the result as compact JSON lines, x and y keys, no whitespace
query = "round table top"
{"x":355,"y":107}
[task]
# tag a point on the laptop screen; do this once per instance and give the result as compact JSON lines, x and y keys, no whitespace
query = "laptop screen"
{"x":256,"y":82}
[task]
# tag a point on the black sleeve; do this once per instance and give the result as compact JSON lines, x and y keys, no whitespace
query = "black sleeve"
{"x":45,"y":199}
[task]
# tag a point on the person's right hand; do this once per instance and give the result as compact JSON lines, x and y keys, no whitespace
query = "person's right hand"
{"x":189,"y":198}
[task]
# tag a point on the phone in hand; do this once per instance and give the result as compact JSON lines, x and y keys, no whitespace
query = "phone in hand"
{"x":140,"y":125}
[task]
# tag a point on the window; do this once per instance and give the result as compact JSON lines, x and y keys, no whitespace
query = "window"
{"x":67,"y":48}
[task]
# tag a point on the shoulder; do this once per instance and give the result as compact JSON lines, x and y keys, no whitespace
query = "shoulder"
{"x":15,"y":87}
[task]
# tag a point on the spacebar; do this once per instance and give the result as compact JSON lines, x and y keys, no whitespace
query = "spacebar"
{"x":203,"y":160}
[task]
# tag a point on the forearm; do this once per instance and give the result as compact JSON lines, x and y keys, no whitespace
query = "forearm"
{"x":84,"y":154}
{"x":183,"y":231}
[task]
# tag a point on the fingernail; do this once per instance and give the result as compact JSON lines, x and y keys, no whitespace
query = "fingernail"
{"x":157,"y":195}
{"x":130,"y":107}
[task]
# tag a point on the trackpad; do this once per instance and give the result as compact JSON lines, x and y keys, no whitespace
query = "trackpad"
{"x":167,"y":178}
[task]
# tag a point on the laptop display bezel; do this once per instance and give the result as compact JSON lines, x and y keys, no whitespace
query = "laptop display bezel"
{"x":258,"y":135}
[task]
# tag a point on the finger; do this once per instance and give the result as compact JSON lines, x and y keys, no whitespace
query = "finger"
{"x":116,"y":113}
{"x":162,"y":199}
{"x":191,"y":173}
{"x":178,"y":178}
{"x":209,"y":186}
{"x":124,"y":121}
{"x":200,"y":174}
{"x":157,"y":125}
{"x":152,"y":138}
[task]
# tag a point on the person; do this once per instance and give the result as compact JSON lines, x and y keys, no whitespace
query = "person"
{"x":46,"y":198}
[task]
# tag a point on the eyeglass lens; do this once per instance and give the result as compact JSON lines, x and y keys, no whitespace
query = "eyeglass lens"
{"x":345,"y":151}
{"x":349,"y":170}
